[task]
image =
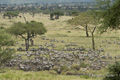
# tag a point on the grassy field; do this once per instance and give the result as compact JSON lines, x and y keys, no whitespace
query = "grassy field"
{"x":60,"y":30}
{"x":43,"y":75}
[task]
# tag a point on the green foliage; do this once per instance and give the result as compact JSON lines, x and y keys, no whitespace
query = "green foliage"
{"x":56,"y":14}
{"x":83,"y":65}
{"x":64,"y":68}
{"x":61,"y":70}
{"x":37,"y":28}
{"x":103,"y":4}
{"x":111,"y":78}
{"x":51,"y":14}
{"x":75,"y":13}
{"x":82,"y":19}
{"x":27,"y":30}
{"x":41,"y":75}
{"x":114,"y":72}
{"x":75,"y":67}
{"x":5,"y":40}
{"x":22,"y":28}
{"x":57,"y":69}
{"x":110,"y":18}
{"x":53,"y":72}
{"x":18,"y":28}
{"x":115,"y":68}
{"x":85,"y":76}
{"x":46,"y":11}
{"x":5,"y":56}
{"x":11,"y":14}
{"x":2,"y":27}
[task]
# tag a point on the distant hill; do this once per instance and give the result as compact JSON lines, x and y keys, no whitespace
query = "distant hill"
{"x":40,"y":1}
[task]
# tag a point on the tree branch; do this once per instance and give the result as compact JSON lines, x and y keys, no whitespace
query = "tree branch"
{"x":25,"y":19}
{"x":94,"y":30}
{"x":22,"y":36}
{"x":89,"y":29}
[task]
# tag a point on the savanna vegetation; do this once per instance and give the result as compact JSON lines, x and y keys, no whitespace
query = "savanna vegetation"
{"x":81,"y":46}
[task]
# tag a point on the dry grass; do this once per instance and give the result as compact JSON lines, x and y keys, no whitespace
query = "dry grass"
{"x":60,"y":30}
{"x":43,"y":75}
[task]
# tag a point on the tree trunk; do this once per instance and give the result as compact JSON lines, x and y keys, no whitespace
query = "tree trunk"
{"x":26,"y":44}
{"x":27,"y":41}
{"x":56,"y":16}
{"x":93,"y":42}
{"x":86,"y":28}
{"x":33,"y":35}
{"x":51,"y":18}
{"x":9,"y":17}
{"x":28,"y":38}
{"x":32,"y":43}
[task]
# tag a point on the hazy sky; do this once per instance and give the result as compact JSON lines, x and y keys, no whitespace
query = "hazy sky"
{"x":34,"y":1}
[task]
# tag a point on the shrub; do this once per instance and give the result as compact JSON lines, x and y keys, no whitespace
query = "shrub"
{"x":85,"y":76}
{"x":68,"y":31}
{"x":114,"y":72}
{"x":2,"y":27}
{"x":75,"y":67}
{"x":83,"y":65}
{"x":61,"y":69}
{"x":53,"y":72}
{"x":5,"y":56}
{"x":64,"y":68}
{"x":57,"y":69}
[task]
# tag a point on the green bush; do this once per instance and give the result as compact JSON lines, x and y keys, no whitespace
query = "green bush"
{"x":111,"y":78}
{"x":64,"y":68}
{"x":114,"y":72}
{"x":83,"y":65}
{"x":53,"y":72}
{"x":2,"y":27}
{"x":68,"y":31}
{"x":75,"y":67}
{"x":5,"y":56}
{"x":85,"y":76}
{"x":61,"y":69}
{"x":57,"y":69}
{"x":73,"y":72}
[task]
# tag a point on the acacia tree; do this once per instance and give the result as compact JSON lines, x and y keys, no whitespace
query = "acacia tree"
{"x":51,"y":16}
{"x":27,"y":30}
{"x":110,"y":18}
{"x":83,"y":20}
{"x":5,"y":41}
{"x":11,"y":14}
{"x":56,"y":14}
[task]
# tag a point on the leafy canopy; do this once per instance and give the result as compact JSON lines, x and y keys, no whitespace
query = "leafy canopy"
{"x":5,"y":40}
{"x":11,"y":13}
{"x":82,"y":19}
{"x":22,"y":28}
{"x":110,"y":18}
